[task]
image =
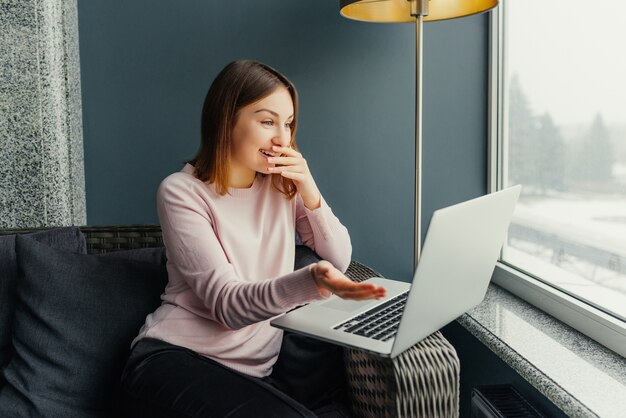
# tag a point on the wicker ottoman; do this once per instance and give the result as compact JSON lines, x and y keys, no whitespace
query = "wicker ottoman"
{"x":424,"y":381}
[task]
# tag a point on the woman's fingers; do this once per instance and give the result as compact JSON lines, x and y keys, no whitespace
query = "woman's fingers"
{"x":358,"y":291}
{"x":360,"y":295}
{"x":292,"y":175}
{"x":283,"y":160}
{"x":339,"y":284}
{"x":343,"y":283}
{"x":287,"y":151}
{"x":286,"y":169}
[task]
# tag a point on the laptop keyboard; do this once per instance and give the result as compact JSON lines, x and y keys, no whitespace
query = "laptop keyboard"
{"x":381,"y":322}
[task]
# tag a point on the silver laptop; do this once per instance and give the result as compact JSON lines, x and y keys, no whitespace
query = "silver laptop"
{"x":458,"y":258}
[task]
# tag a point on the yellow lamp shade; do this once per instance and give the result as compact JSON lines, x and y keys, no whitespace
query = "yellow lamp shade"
{"x":397,"y":11}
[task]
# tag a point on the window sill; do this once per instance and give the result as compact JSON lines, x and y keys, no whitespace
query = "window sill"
{"x":580,"y":376}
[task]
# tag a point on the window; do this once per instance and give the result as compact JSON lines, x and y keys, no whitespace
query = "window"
{"x":559,"y":129}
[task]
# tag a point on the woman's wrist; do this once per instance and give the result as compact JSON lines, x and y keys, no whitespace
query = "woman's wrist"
{"x":321,"y":289}
{"x":313,"y":273}
{"x":314,"y":203}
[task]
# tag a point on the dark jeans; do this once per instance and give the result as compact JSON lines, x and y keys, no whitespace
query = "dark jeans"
{"x":165,"y":380}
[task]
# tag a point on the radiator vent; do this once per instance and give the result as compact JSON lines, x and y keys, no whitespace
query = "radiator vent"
{"x":501,"y":401}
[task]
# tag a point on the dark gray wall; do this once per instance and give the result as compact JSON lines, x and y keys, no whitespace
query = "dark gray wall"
{"x":146,"y":67}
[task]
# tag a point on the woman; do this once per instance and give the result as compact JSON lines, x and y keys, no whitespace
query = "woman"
{"x":229,"y":219}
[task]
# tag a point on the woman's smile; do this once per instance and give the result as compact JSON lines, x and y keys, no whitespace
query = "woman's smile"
{"x":269,"y":154}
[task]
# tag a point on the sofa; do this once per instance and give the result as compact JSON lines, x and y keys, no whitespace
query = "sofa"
{"x":73,"y":298}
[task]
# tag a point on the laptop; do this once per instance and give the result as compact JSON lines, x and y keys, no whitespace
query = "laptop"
{"x":458,"y":258}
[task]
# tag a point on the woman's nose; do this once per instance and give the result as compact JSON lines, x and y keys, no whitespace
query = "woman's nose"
{"x":283,"y":139}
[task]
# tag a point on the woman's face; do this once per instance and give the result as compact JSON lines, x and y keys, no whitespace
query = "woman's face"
{"x":259,"y":126}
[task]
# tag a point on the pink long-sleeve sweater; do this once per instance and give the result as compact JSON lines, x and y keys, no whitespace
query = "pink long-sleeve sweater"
{"x":230,"y":264}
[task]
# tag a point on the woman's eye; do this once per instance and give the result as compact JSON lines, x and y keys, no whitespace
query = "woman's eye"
{"x":271,"y":123}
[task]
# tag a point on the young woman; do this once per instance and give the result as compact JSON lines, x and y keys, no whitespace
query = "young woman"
{"x":229,"y":220}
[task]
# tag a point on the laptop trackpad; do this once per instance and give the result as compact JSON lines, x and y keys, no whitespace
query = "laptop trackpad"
{"x":348,"y":305}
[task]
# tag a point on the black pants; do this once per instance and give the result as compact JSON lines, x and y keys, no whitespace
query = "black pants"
{"x":165,"y":380}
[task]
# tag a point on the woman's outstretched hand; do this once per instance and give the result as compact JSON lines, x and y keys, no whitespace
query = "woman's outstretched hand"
{"x":330,"y":280}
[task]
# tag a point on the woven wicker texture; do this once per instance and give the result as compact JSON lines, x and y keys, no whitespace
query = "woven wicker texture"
{"x":424,"y":381}
{"x":421,"y":382}
{"x":102,"y":239}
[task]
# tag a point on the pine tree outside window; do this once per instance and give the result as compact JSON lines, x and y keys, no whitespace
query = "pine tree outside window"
{"x":560,"y":91}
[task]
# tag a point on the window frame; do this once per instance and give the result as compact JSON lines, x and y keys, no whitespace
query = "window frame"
{"x":596,"y":324}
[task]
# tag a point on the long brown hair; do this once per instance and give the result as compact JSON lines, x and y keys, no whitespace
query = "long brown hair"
{"x":239,"y":84}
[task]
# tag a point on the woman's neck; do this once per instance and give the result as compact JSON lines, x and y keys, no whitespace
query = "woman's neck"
{"x":241,"y":179}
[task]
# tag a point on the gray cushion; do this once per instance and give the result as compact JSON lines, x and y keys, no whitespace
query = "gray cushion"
{"x":65,"y":238}
{"x":75,"y":318}
{"x":155,"y":255}
{"x":304,"y":257}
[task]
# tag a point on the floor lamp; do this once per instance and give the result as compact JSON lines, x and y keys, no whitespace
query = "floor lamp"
{"x":418,"y":11}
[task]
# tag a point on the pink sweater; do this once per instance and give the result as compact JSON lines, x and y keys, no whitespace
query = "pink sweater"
{"x":230,"y":263}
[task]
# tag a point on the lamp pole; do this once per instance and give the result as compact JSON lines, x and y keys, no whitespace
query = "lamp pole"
{"x":419,"y":9}
{"x":396,"y":11}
